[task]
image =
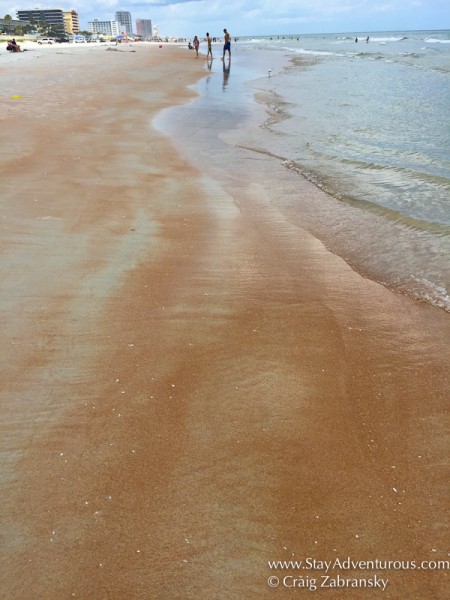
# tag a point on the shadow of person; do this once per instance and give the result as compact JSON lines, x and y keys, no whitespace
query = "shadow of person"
{"x":226,"y":74}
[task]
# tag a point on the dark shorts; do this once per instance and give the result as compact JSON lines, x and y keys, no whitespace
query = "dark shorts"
{"x":227,"y":46}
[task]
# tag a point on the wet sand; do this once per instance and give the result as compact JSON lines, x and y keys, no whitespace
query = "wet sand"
{"x":192,"y":385}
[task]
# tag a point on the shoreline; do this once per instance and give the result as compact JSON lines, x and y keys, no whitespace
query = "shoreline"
{"x":193,"y":384}
{"x":404,"y":254}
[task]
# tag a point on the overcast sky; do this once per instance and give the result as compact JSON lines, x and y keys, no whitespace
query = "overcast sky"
{"x":184,"y":18}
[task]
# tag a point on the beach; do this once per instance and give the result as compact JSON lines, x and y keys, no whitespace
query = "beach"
{"x":193,"y":385}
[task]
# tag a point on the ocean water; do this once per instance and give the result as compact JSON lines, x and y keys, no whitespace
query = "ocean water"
{"x":367,"y":122}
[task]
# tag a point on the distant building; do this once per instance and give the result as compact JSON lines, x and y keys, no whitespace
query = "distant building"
{"x":71,"y":22}
{"x":144,"y":28}
{"x":124,"y":17}
{"x":50,"y":16}
{"x":8,"y":25}
{"x":110,"y":28}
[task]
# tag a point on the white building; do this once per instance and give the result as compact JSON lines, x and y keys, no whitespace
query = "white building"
{"x":111,"y":28}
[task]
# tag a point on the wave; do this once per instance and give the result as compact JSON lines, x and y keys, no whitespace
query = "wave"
{"x":321,"y":182}
{"x":430,"y":292}
{"x":388,"y":39}
{"x":382,"y":261}
{"x":389,"y":213}
{"x":436,"y":41}
{"x":411,"y":54}
{"x":313,"y":52}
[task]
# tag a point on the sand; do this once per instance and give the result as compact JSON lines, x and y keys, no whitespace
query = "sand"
{"x":193,"y":386}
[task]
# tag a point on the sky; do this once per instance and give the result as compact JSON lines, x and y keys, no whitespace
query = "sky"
{"x":186,"y":18}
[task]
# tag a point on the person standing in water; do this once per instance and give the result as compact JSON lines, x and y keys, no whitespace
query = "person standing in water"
{"x":227,"y":45}
{"x":196,"y":46}
{"x":209,"y":42}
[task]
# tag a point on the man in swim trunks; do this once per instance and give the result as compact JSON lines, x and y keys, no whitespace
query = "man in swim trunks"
{"x":208,"y":39}
{"x":227,"y":45}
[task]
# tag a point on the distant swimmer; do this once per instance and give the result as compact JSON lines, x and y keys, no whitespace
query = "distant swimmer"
{"x":227,"y":45}
{"x":367,"y":39}
{"x":356,"y":40}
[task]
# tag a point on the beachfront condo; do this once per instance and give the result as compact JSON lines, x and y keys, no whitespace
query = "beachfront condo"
{"x":71,"y":22}
{"x":109,"y":28}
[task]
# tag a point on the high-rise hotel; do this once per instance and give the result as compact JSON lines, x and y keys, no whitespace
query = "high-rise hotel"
{"x":124,"y":17}
{"x":144,"y":28}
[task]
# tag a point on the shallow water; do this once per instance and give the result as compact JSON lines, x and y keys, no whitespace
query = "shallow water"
{"x":368,"y":123}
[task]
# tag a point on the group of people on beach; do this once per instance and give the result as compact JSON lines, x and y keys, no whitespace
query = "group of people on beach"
{"x":209,"y":55}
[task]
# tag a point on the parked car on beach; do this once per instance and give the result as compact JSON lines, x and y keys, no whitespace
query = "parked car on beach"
{"x":46,"y":41}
